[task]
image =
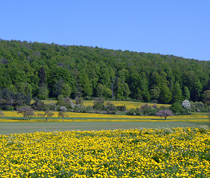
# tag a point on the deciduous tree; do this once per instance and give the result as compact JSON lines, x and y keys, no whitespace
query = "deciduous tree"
{"x":26,"y":111}
{"x":48,"y":114}
{"x":164,"y":113}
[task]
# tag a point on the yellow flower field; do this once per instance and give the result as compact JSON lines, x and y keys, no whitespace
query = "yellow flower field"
{"x":120,"y":153}
{"x":89,"y":117}
{"x":128,"y":104}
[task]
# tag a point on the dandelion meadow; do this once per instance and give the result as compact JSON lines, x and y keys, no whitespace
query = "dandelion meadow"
{"x":175,"y":152}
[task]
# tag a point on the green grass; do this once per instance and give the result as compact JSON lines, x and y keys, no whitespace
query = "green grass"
{"x":38,"y":124}
{"x":27,"y":127}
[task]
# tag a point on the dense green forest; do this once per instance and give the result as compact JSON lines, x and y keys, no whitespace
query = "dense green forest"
{"x":47,"y":70}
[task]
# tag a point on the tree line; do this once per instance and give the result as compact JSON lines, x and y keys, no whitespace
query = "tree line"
{"x":41,"y":70}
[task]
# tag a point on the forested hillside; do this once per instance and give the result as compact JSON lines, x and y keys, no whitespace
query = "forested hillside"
{"x":47,"y":70}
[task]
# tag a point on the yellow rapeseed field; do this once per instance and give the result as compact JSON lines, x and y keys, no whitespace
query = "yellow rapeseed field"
{"x":89,"y":117}
{"x":128,"y":104}
{"x":120,"y":153}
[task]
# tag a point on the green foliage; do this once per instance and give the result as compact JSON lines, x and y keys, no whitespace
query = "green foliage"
{"x":197,"y":107}
{"x":99,"y":104}
{"x":79,"y":100}
{"x":60,"y":100}
{"x":186,"y":93}
{"x":9,"y":100}
{"x":66,"y":90}
{"x":12,"y":88}
{"x":121,"y":108}
{"x":146,"y":110}
{"x":39,"y":105}
{"x":176,"y":107}
{"x":131,"y":112}
{"x":80,"y":71}
{"x":154,"y":93}
{"x":176,"y":93}
{"x":103,"y":91}
{"x":206,"y":97}
{"x":43,"y":92}
{"x":68,"y":103}
{"x":110,"y":108}
{"x":165,"y":94}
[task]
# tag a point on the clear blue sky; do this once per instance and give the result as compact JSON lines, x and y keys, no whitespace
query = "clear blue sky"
{"x":179,"y":27}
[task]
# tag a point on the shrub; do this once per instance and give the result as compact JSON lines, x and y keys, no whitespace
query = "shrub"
{"x":79,"y":108}
{"x":138,"y":112}
{"x":79,"y":100}
{"x":148,"y":110}
{"x":176,"y":107}
{"x":131,"y":112}
{"x":197,"y":107}
{"x":60,"y":100}
{"x":68,"y":103}
{"x":99,"y":104}
{"x":39,"y":105}
{"x":7,"y":108}
{"x":51,"y":107}
{"x":185,"y":111}
{"x":121,"y":108}
{"x":110,"y":107}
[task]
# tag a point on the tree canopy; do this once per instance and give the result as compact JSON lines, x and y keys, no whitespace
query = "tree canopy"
{"x":49,"y":70}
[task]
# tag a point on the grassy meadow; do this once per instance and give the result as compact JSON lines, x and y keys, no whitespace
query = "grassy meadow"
{"x":12,"y":122}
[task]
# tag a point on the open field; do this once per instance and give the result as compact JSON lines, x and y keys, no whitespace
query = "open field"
{"x":103,"y":145}
{"x":15,"y":123}
{"x":14,"y":114}
{"x":175,"y":152}
{"x":29,"y":127}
